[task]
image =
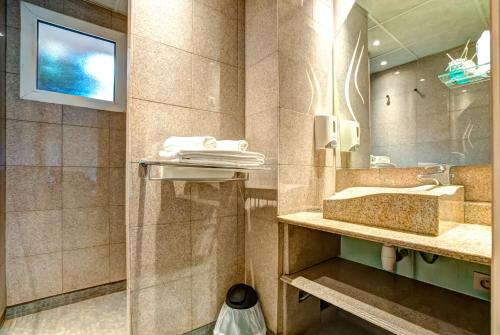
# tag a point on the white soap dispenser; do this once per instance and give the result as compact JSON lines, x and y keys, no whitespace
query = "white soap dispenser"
{"x":325,"y":131}
{"x":349,"y":135}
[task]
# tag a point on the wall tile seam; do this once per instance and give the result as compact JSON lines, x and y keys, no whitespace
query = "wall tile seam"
{"x":234,"y":67}
{"x":103,"y":165}
{"x":235,"y":115}
{"x":192,"y":53}
{"x":62,"y":250}
{"x":61,"y":209}
{"x":61,"y":122}
{"x":272,"y":54}
{"x":104,"y":244}
{"x":250,"y":65}
{"x":269,"y":219}
{"x":134,"y":288}
{"x":34,"y":210}
{"x":30,"y":256}
{"x":31,"y":121}
{"x":41,"y":166}
{"x":70,"y":167}
{"x":262,"y":111}
{"x":80,"y":126}
{"x":288,"y":109}
{"x":197,"y":222}
{"x":184,"y":222}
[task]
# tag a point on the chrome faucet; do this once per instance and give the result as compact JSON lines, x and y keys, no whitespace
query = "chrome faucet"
{"x":439,"y":174}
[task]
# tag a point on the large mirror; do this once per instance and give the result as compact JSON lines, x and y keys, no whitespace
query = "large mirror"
{"x":412,"y":83}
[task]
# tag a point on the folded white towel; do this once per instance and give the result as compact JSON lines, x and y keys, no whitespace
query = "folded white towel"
{"x":219,"y":153}
{"x":240,"y":145}
{"x":193,"y":142}
{"x":219,"y":163}
{"x":215,"y":157}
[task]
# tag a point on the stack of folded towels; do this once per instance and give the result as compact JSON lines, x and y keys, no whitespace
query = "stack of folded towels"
{"x":206,"y":150}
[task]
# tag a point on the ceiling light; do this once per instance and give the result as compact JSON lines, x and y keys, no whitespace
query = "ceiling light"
{"x":397,"y":72}
{"x":464,"y":91}
{"x":383,"y":63}
{"x":376,"y":43}
{"x":422,"y":79}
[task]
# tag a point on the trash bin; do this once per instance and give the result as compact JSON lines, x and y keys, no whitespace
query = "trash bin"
{"x":241,"y":313}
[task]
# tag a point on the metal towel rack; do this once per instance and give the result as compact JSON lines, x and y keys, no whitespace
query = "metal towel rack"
{"x":239,"y":174}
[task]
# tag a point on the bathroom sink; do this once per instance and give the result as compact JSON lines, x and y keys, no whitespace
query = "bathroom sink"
{"x":420,"y":209}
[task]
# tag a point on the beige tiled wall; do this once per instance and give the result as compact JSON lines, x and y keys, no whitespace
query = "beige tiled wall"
{"x":262,"y":248}
{"x":185,"y":240}
{"x":3,"y":29}
{"x":65,"y":180}
{"x":289,"y":79}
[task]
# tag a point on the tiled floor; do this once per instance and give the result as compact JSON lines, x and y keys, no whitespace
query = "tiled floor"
{"x":104,"y":315}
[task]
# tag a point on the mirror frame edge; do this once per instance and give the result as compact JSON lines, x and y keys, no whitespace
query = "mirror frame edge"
{"x":495,"y":122}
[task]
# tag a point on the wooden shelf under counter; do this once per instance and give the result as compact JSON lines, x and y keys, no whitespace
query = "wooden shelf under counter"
{"x":398,"y":304}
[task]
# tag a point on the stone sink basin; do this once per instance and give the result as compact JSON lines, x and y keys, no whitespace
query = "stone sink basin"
{"x":425,"y":209}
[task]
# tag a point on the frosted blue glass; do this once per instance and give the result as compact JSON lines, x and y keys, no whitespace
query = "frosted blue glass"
{"x":75,"y":63}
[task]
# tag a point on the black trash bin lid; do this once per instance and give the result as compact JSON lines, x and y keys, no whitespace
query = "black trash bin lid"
{"x":241,"y":296}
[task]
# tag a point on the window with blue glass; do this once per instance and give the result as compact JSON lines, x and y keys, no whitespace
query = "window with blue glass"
{"x":75,"y":63}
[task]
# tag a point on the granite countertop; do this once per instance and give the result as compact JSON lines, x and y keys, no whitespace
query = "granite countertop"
{"x":468,"y":242}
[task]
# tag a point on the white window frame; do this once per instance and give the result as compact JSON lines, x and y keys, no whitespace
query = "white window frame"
{"x":30,"y":15}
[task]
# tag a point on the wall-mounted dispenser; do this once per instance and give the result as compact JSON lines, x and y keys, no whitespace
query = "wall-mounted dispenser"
{"x":483,"y":48}
{"x":349,"y":135}
{"x":325,"y":131}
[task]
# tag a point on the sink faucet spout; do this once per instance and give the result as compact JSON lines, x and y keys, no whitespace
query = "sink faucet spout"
{"x":438,"y":174}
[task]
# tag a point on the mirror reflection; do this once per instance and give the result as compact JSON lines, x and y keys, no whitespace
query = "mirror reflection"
{"x":411,"y":86}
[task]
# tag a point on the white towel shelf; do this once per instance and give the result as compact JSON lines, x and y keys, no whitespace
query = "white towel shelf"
{"x":190,"y":172}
